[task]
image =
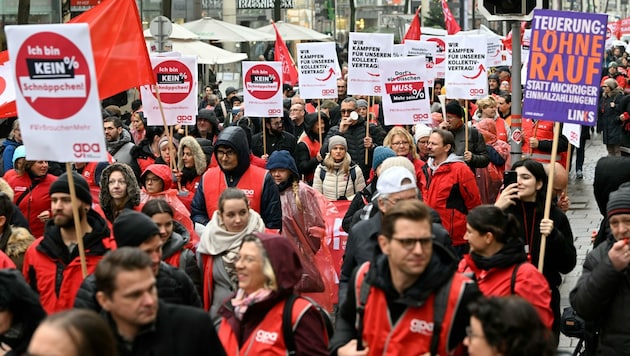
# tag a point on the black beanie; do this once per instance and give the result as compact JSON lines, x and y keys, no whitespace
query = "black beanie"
{"x":81,"y":187}
{"x":455,"y":109}
{"x":132,"y":228}
{"x":619,"y":201}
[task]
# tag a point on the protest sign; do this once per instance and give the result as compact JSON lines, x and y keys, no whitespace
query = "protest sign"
{"x":56,"y":92}
{"x":177,"y":84}
{"x":262,"y":95}
{"x":398,"y":50}
{"x":440,"y":56}
{"x":572,"y":132}
{"x":318,"y":70}
{"x":466,"y":76}
{"x":494,"y":58}
{"x":564,"y":66}
{"x":406,"y":97}
{"x":428,"y":49}
{"x":364,"y":51}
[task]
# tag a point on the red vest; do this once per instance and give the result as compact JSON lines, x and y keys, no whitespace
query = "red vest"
{"x":313,"y":149}
{"x":267,"y":338}
{"x":501,"y":131}
{"x":542,"y":130}
{"x":251,"y":183}
{"x":414,"y":329}
{"x":206,"y":275}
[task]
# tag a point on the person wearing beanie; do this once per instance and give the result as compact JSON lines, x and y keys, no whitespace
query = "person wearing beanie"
{"x":476,"y":155}
{"x":307,"y":151}
{"x":231,"y":152}
{"x":19,"y":161}
{"x":601,"y":292}
{"x":207,"y":125}
{"x":362,"y":108}
{"x":338,"y":177}
{"x":31,"y":194}
{"x":223,"y":110}
{"x":493,"y":84}
{"x":352,"y":127}
{"x":166,"y":153}
{"x":52,"y":263}
{"x":135,"y":229}
{"x":616,"y":75}
{"x":421,"y":136}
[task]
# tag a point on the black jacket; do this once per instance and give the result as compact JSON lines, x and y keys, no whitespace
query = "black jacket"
{"x":177,"y":330}
{"x":173,"y":286}
{"x":188,"y":262}
{"x":284,"y":141}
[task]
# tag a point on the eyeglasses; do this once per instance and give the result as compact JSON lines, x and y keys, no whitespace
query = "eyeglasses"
{"x":119,"y":182}
{"x":346,"y":111}
{"x":228,"y":153}
{"x":400,"y":143}
{"x":152,"y":179}
{"x":472,"y":335}
{"x":410,"y":243}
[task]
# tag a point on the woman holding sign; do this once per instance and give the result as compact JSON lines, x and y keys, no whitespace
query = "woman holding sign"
{"x":525,"y":199}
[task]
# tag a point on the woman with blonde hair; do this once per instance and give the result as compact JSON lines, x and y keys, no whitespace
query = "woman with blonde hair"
{"x":337,"y":177}
{"x":402,"y":143}
{"x":303,"y":211}
{"x":487,"y":109}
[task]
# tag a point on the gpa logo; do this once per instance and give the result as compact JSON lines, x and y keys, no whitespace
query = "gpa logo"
{"x":328,"y":92}
{"x":86,"y":150}
{"x":266,"y":337}
{"x":477,"y":92}
{"x":184,"y":118}
{"x":421,"y":327}
{"x":274,"y":112}
{"x":420,"y":117}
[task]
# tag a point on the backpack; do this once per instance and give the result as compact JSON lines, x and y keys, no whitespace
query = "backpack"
{"x":287,"y":328}
{"x":353,"y":178}
{"x":439,"y":309}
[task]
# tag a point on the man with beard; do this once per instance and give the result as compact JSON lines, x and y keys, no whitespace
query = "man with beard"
{"x":276,"y":139}
{"x":118,"y":140}
{"x":144,"y":325}
{"x":51,"y":264}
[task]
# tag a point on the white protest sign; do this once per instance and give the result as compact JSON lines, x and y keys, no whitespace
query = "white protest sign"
{"x":7,"y":89}
{"x":440,"y":57}
{"x":405,"y":99}
{"x":56,"y":92}
{"x":572,"y":132}
{"x":466,"y":76}
{"x":398,"y":50}
{"x":364,"y":51}
{"x":262,"y":94}
{"x":318,"y":70}
{"x":495,"y":57}
{"x":177,"y":84}
{"x":428,"y":49}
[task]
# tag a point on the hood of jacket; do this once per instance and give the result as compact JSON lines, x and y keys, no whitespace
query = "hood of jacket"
{"x":441,"y":267}
{"x":162,"y":171}
{"x":6,"y":189}
{"x":174,"y":244}
{"x":284,"y":260}
{"x":133,"y":190}
{"x":19,"y":241}
{"x":197,"y":152}
{"x":235,"y":138}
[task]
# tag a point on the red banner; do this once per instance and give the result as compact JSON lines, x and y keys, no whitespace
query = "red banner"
{"x":337,"y":238}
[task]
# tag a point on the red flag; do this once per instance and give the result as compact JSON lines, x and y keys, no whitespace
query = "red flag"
{"x":452,"y":27}
{"x":507,"y":41}
{"x":120,"y":53}
{"x":414,"y":31}
{"x":281,"y":54}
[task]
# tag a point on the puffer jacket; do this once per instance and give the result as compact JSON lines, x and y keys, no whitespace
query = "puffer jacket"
{"x":337,"y":185}
{"x":173,"y":286}
{"x":354,"y":137}
{"x":601,"y":294}
{"x":14,"y":242}
{"x":54,"y":272}
{"x":133,"y":191}
{"x":452,"y":191}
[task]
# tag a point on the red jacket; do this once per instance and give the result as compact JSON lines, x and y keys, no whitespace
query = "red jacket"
{"x":267,"y":338}
{"x":5,"y":261}
{"x":313,"y":149}
{"x":251,"y":182}
{"x":543,"y":131}
{"x":36,"y":200}
{"x":530,"y":284}
{"x":414,"y":329}
{"x":452,"y":191}
{"x":56,"y":274}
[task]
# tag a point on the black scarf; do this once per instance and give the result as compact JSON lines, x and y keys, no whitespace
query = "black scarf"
{"x":188,"y":175}
{"x":512,"y":253}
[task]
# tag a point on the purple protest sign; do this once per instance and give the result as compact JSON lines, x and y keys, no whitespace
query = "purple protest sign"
{"x":564,"y":69}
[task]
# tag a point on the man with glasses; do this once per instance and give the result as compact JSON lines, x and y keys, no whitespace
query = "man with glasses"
{"x":394,"y":184}
{"x":234,"y":170}
{"x":276,"y":139}
{"x":408,"y":298}
{"x":352,"y":128}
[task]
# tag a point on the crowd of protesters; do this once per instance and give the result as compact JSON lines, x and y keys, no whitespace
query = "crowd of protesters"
{"x":214,"y":239}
